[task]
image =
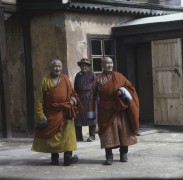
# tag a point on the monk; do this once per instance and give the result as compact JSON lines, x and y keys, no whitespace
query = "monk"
{"x":57,"y":106}
{"x":118,"y":111}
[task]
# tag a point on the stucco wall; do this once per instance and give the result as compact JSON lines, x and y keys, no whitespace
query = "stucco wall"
{"x":16,"y":74}
{"x":78,"y":26}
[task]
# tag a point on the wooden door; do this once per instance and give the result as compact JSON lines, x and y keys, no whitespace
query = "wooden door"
{"x":167,"y":81}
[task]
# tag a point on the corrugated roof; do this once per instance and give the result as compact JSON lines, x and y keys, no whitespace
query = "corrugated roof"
{"x":152,"y":20}
{"x":121,"y":8}
{"x":165,"y":23}
{"x":101,"y":6}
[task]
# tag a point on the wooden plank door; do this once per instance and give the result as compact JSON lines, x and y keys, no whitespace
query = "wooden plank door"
{"x":167,"y":81}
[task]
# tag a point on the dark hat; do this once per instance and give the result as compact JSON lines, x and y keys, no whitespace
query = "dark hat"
{"x":84,"y":61}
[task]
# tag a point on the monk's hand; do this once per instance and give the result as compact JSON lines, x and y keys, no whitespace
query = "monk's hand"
{"x":73,"y":100}
{"x":42,"y":124}
{"x":118,"y":92}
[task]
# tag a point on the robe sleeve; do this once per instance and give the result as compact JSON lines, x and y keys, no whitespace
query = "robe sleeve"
{"x":39,"y":104}
{"x":133,"y":108}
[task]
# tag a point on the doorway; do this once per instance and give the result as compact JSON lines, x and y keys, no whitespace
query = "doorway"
{"x":144,"y":81}
{"x":136,"y":64}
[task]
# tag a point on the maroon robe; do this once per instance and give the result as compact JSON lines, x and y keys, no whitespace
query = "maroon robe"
{"x":113,"y":109}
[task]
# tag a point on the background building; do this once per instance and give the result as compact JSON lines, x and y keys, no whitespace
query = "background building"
{"x":34,"y":31}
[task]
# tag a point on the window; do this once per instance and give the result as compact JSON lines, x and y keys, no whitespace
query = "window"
{"x":99,"y":48}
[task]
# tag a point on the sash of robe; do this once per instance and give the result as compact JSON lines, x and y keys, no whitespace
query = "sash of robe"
{"x":57,"y":107}
{"x":110,"y":103}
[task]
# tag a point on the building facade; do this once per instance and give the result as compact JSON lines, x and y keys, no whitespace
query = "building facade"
{"x":33,"y":32}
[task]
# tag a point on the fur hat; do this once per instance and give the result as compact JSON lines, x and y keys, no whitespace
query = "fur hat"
{"x":84,"y":61}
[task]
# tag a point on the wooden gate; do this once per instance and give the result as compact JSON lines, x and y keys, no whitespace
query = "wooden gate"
{"x":167,"y":81}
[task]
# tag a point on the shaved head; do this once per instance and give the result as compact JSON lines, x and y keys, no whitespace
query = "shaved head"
{"x":54,"y":61}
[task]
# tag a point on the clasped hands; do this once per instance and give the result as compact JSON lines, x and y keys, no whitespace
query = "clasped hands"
{"x":73,"y":100}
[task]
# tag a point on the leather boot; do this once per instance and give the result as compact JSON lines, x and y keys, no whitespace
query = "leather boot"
{"x":123,"y":157}
{"x":123,"y":153}
{"x":54,"y":159}
{"x":109,"y":159}
{"x":92,"y":131}
{"x":69,"y":159}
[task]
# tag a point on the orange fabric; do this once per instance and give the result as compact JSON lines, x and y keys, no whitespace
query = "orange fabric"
{"x":57,"y":107}
{"x":110,"y":104}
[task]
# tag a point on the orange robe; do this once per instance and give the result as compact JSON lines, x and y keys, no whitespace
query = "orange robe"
{"x":57,"y":107}
{"x":118,"y":120}
{"x":54,"y":104}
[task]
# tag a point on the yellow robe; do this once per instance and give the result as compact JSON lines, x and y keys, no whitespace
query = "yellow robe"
{"x":64,"y":139}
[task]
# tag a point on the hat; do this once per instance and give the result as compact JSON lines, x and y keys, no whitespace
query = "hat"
{"x":84,"y":61}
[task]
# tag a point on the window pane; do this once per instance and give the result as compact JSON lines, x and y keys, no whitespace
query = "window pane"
{"x":97,"y":64}
{"x":96,"y":47}
{"x":109,"y":47}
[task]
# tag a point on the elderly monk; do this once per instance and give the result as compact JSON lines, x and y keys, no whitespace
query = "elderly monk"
{"x":118,"y":111}
{"x":57,"y":106}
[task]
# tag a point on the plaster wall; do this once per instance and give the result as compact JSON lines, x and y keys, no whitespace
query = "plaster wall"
{"x":78,"y":27}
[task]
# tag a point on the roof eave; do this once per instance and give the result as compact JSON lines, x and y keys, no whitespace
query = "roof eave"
{"x":125,"y":31}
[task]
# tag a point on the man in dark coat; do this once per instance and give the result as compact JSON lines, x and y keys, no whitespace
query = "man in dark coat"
{"x":118,"y":111}
{"x":82,"y":86}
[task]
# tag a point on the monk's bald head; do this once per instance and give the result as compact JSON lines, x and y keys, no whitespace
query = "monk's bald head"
{"x":55,"y":67}
{"x":107,"y":64}
{"x":55,"y":61}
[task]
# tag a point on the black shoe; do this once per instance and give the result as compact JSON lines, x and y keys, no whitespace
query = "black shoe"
{"x":91,"y":139}
{"x":109,"y":160}
{"x":123,"y":158}
{"x":70,"y":160}
{"x":55,"y":162}
{"x":54,"y":159}
{"x":79,"y":139}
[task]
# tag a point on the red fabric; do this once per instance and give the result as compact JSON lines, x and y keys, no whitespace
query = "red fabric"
{"x":57,"y":107}
{"x":110,"y":103}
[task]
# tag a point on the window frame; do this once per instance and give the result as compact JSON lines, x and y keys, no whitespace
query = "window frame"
{"x":102,"y":38}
